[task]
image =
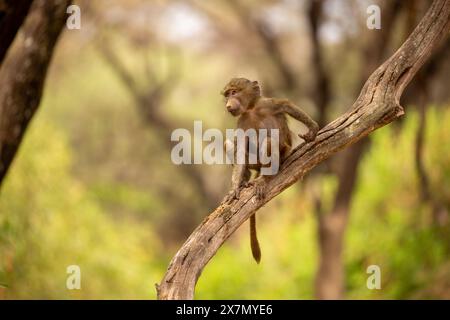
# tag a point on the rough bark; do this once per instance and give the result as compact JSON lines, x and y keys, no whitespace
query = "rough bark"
{"x":377,"y":105}
{"x":23,"y":73}
{"x":12,"y":15}
{"x":332,"y":225}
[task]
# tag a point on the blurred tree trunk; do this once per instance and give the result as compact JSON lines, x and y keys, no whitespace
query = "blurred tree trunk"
{"x":23,"y":72}
{"x":332,"y":225}
{"x":270,"y":44}
{"x":12,"y":15}
{"x":424,"y":182}
{"x":440,"y":214}
{"x":419,"y":93}
{"x":148,"y":102}
{"x":321,"y":91}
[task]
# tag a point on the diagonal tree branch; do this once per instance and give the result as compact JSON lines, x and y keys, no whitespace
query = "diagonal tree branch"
{"x":377,"y":105}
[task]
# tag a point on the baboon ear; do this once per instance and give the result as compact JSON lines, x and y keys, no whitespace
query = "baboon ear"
{"x":256,"y":87}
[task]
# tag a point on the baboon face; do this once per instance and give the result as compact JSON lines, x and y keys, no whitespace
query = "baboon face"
{"x":240,"y":94}
{"x":233,"y":102}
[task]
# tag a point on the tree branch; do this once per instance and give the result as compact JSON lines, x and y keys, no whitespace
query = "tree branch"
{"x":376,"y":106}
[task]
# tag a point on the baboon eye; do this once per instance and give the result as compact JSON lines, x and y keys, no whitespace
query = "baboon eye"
{"x":232,"y":92}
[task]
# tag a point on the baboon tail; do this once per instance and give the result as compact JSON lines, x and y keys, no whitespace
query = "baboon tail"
{"x":256,"y":251}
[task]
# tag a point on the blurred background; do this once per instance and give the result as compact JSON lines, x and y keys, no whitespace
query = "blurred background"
{"x":93,"y":184}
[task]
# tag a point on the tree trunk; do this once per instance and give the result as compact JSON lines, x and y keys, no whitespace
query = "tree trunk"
{"x":23,"y":72}
{"x":332,"y":226}
{"x":321,"y":92}
{"x":12,"y":15}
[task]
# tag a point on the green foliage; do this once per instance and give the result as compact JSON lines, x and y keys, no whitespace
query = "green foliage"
{"x":390,"y":225}
{"x":48,"y":221}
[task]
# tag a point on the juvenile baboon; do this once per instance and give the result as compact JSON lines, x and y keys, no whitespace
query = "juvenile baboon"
{"x":244,"y":100}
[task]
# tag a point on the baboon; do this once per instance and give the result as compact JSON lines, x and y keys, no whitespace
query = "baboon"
{"x":244,"y":100}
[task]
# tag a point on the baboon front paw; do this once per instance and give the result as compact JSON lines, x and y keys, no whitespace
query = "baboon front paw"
{"x":232,"y":195}
{"x":309,"y":136}
{"x":260,"y":190}
{"x":247,"y":184}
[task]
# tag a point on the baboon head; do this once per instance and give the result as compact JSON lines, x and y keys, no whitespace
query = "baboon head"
{"x":240,"y":94}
